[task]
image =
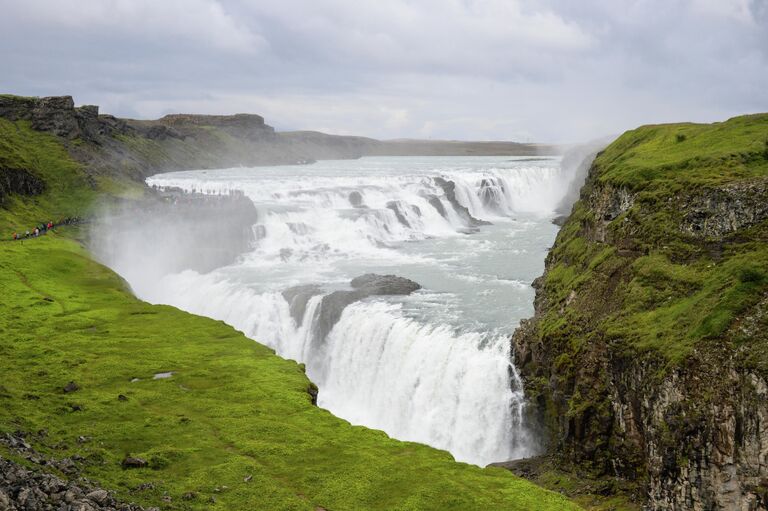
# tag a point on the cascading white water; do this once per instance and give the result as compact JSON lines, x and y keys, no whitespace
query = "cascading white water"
{"x":433,"y":367}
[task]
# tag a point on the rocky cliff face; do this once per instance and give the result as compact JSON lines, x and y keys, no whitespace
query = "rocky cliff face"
{"x":59,"y":116}
{"x":18,"y":181}
{"x":647,"y":355}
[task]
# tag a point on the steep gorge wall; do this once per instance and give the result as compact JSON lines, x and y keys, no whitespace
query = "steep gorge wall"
{"x":647,"y":357}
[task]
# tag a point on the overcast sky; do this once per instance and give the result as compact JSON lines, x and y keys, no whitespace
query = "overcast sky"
{"x":528,"y":70}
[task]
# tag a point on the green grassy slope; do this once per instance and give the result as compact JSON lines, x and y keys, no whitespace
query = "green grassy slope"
{"x":662,"y":289}
{"x":232,"y":408}
{"x":69,"y":191}
{"x":651,"y":316}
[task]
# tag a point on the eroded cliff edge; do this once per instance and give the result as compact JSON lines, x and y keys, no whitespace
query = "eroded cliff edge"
{"x":647,"y":357}
{"x":110,"y":146}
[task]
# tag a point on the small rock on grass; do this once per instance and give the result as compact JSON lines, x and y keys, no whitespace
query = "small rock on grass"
{"x":98,"y":496}
{"x":71,"y":387}
{"x":132,"y":462}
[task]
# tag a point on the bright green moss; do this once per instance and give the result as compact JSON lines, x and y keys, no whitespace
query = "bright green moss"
{"x":231,"y":409}
{"x":67,"y":189}
{"x":709,"y":154}
{"x":668,"y":291}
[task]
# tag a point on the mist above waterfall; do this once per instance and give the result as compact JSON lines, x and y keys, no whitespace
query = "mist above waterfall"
{"x":171,"y":232}
{"x":576,"y":163}
{"x":431,"y":365}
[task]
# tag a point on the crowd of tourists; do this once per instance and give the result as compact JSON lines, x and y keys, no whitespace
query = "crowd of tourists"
{"x":42,"y":228}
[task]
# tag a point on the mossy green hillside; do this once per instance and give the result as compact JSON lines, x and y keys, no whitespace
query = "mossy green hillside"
{"x":634,"y":292}
{"x":69,"y":190}
{"x":651,"y":285}
{"x":675,"y":156}
{"x":232,"y":408}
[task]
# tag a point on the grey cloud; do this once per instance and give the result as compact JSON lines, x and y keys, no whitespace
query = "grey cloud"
{"x":550,"y":70}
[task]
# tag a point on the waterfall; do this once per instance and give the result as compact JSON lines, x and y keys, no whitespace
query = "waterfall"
{"x":421,"y":368}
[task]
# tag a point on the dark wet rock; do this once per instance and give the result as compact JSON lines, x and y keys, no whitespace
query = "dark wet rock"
{"x":132,"y":462}
{"x":363,"y":286}
{"x":71,"y":387}
{"x":356,"y":199}
{"x":374,"y":284}
{"x":122,"y":397}
{"x":449,"y":188}
{"x":436,"y":203}
{"x":396,"y":207}
{"x":560,"y":220}
{"x":298,"y":297}
{"x":19,"y":181}
{"x":312,"y":390}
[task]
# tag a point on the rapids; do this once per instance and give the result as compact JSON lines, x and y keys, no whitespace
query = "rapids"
{"x":432,"y":367}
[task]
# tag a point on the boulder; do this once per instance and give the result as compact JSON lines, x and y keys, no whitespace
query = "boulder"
{"x":364,"y":286}
{"x":298,"y":297}
{"x":132,"y":462}
{"x":449,"y":188}
{"x":71,"y":387}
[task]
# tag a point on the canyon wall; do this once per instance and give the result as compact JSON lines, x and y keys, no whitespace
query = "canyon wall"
{"x":647,"y":357}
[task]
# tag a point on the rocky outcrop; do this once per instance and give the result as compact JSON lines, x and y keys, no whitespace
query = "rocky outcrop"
{"x":58,"y":115}
{"x":693,"y":430}
{"x":37,"y":489}
{"x":364,"y":286}
{"x":18,"y":181}
{"x":449,"y":189}
{"x":721,"y":211}
{"x":248,"y":126}
{"x":608,"y":203}
{"x":29,"y":490}
{"x":298,"y":297}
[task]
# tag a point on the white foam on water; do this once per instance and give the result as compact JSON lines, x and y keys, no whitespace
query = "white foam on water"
{"x":421,"y":368}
